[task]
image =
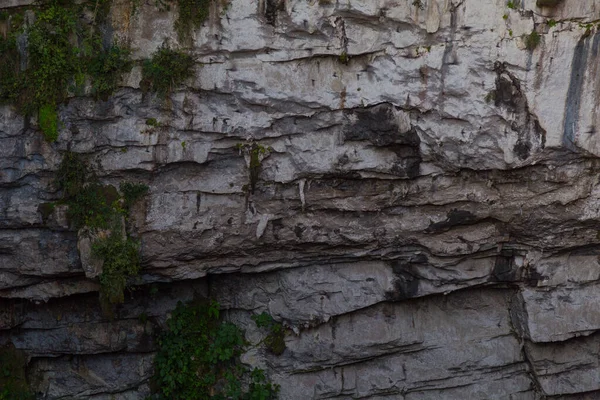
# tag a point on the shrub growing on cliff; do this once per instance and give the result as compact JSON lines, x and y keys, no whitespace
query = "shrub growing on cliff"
{"x":9,"y":69}
{"x":106,"y":67}
{"x":532,"y":40}
{"x":166,"y":70}
{"x":13,"y":381}
{"x":198,"y":358}
{"x":52,"y":58}
{"x":72,"y":175}
{"x":48,"y":120}
{"x":132,"y":192}
{"x":275,"y":338}
{"x":121,"y":260}
{"x":191,"y":15}
{"x":103,"y":209}
{"x":59,"y":52}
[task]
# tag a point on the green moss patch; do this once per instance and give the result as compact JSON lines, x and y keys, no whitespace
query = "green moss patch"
{"x":48,"y":120}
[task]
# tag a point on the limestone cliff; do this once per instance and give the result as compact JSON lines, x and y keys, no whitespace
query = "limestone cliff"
{"x":424,"y":218}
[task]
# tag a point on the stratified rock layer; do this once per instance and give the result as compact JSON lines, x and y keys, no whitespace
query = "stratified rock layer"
{"x":425,"y":220}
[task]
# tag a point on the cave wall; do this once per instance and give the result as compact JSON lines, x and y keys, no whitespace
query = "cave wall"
{"x":425,"y":222}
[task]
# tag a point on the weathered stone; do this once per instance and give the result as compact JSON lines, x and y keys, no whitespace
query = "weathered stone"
{"x":423,"y":218}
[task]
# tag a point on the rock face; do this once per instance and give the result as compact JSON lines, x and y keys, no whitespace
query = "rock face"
{"x":425,"y":221}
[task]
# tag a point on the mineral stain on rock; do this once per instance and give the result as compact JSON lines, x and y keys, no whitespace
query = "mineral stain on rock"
{"x":406,"y":283}
{"x":271,"y":9}
{"x":379,"y":125}
{"x":509,"y":94}
{"x":576,"y":87}
{"x":504,"y":268}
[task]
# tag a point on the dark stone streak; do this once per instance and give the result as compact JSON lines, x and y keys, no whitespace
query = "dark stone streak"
{"x":453,"y":218}
{"x":573,"y":102}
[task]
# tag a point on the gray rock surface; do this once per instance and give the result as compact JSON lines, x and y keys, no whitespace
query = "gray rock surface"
{"x":425,"y":222}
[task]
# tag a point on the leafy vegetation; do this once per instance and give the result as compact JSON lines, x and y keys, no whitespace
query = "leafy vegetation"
{"x":13,"y":381}
{"x":256,"y":153}
{"x":106,"y":68}
{"x":532,"y":40}
{"x":343,"y":58}
{"x":191,"y":15}
{"x":166,"y":70}
{"x":121,"y":260}
{"x":103,"y":209}
{"x":275,"y":339}
{"x":52,"y":58}
{"x":72,"y":175}
{"x":90,"y":203}
{"x":153,"y":122}
{"x":48,"y":120}
{"x":95,"y":206}
{"x":61,"y":52}
{"x":9,"y":67}
{"x":198,"y":358}
{"x":132,"y":192}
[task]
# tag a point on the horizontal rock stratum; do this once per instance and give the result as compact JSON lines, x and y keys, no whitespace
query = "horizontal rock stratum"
{"x":410,"y":187}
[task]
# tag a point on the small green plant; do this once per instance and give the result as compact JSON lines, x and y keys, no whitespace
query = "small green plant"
{"x":9,"y":69}
{"x":505,"y":17}
{"x":532,"y":40}
{"x":183,"y":145}
{"x":93,"y":207}
{"x":256,"y":153}
{"x":198,"y":358}
{"x":419,"y":4}
{"x":48,"y":120}
{"x":166,"y":70}
{"x":275,"y":339}
{"x":106,"y":68}
{"x":192,"y":13}
{"x":13,"y":380}
{"x":102,"y":209}
{"x":52,"y":58}
{"x":510,"y":32}
{"x":152,"y":122}
{"x":490,"y":97}
{"x":551,"y":23}
{"x":132,"y":192}
{"x":344,"y":59}
{"x":72,"y":175}
{"x":121,"y":260}
{"x":512,"y":4}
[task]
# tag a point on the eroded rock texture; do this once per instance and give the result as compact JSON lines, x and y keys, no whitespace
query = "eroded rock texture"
{"x":425,"y":221}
